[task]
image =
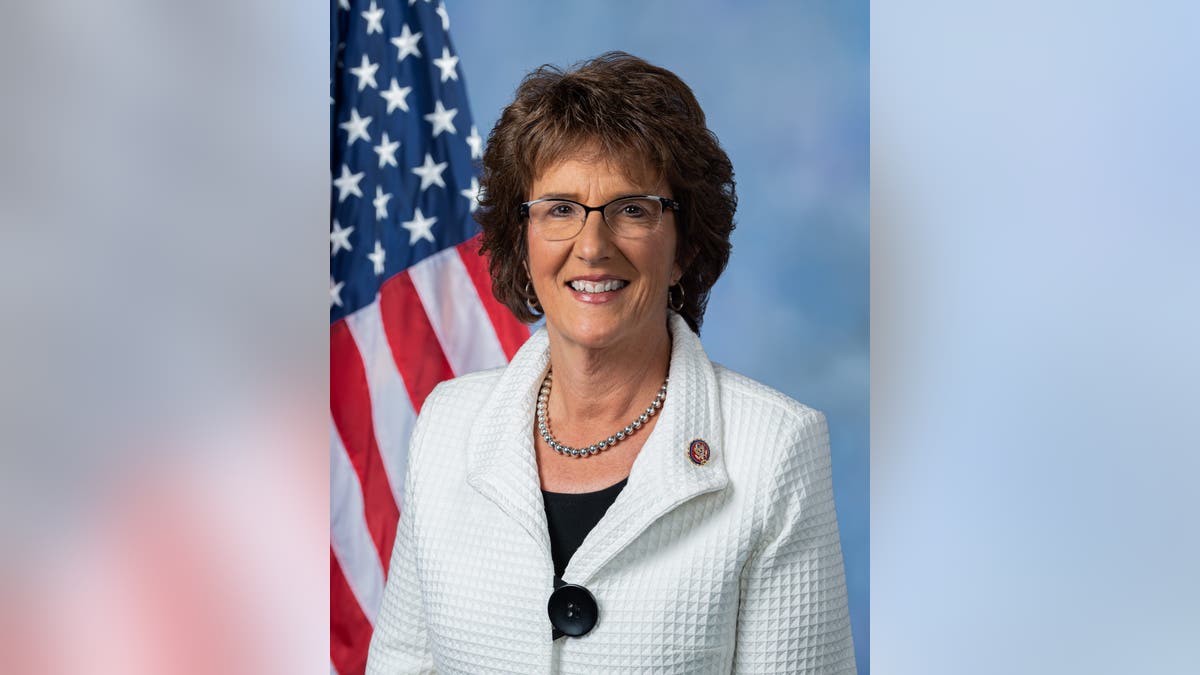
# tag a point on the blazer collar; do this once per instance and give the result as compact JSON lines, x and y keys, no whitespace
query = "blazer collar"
{"x":502,"y":465}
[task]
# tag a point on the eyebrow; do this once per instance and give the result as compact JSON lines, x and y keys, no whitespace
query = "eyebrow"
{"x":574,"y":198}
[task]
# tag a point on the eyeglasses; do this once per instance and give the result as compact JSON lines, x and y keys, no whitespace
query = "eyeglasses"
{"x":632,"y":217}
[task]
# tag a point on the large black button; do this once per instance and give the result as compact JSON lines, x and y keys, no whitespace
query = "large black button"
{"x":572,"y":610}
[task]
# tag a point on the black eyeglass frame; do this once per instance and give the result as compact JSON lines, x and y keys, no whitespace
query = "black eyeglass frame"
{"x":667,"y":203}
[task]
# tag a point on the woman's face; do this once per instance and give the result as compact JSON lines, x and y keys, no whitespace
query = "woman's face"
{"x":643,"y":268}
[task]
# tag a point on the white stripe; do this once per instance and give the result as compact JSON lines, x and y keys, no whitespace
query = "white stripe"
{"x":348,"y":535}
{"x":391,"y":409}
{"x":459,"y":320}
{"x":332,"y":670}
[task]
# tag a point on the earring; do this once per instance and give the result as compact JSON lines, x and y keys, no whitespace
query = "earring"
{"x":674,"y":308}
{"x":531,"y":298}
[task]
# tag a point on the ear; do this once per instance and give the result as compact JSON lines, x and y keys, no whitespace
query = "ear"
{"x":683,"y":259}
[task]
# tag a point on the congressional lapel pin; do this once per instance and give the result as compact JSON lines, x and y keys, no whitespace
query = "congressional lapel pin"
{"x":698,"y":452}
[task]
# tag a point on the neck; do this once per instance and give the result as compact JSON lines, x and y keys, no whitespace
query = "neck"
{"x":595,"y":389}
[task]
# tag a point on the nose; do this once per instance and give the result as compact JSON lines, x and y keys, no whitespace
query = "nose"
{"x":593,"y":244}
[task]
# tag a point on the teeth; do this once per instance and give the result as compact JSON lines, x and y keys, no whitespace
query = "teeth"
{"x":598,"y":286}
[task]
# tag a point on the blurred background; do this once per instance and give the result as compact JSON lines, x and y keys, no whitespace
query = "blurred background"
{"x":164,"y":189}
{"x":784,"y":86}
{"x":163,"y":197}
{"x":1035,"y":233}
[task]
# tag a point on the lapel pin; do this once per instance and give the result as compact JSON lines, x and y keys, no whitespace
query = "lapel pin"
{"x":698,"y":452}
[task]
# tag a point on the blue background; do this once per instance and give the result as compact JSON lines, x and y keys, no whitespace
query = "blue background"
{"x":785,"y":88}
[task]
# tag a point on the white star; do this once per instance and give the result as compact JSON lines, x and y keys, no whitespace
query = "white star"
{"x":377,"y":257}
{"x":335,"y":292}
{"x":366,"y":73}
{"x":431,"y":172}
{"x":441,"y":11}
{"x":396,"y":96}
{"x":407,"y":43}
{"x":386,"y":151}
{"x":419,"y":228}
{"x":447,"y":64}
{"x":356,"y":127}
{"x":380,"y":203}
{"x":442,"y":119}
{"x":339,"y":238}
{"x":347,"y":183}
{"x":374,"y":17}
{"x":472,"y":194}
{"x":344,"y":4}
{"x":476,"y":143}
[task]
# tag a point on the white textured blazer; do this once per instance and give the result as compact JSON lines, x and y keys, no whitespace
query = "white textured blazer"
{"x":730,"y":566}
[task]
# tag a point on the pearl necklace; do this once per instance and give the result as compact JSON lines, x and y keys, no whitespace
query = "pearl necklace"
{"x":543,"y":423}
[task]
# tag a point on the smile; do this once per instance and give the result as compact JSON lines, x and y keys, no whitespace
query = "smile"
{"x":606,"y":286}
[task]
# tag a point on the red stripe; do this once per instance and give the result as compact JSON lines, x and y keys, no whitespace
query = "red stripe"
{"x":512,"y":333}
{"x":350,"y":404}
{"x":349,"y":630}
{"x":415,"y":346}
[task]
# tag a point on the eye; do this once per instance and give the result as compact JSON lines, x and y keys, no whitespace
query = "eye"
{"x":561,"y":210}
{"x":633,"y":210}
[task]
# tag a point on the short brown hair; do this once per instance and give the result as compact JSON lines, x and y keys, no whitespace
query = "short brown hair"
{"x":629,"y":109}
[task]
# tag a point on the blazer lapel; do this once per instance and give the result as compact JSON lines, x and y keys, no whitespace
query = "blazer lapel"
{"x":663,"y":475}
{"x":501,"y":463}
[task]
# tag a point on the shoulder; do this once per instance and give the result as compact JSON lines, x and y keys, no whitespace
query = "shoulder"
{"x":742,"y":395}
{"x":782,"y":448}
{"x":452,"y":407}
{"x":463,"y":393}
{"x":768,"y":433}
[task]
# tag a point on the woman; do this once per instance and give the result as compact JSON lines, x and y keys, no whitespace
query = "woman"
{"x":612,"y":501}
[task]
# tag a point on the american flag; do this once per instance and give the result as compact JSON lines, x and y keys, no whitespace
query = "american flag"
{"x":410,"y":301}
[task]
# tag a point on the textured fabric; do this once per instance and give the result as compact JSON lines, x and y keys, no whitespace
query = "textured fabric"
{"x":570,"y":517}
{"x":730,"y":566}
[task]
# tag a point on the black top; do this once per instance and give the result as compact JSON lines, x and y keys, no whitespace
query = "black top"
{"x":572,"y":516}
